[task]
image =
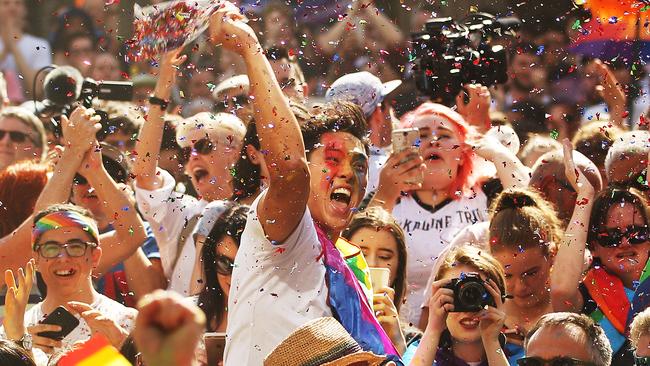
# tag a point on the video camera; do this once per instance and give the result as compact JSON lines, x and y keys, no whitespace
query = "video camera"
{"x":449,"y":54}
{"x":64,"y":88}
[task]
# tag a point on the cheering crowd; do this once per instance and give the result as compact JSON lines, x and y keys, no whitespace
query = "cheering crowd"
{"x":288,"y":186}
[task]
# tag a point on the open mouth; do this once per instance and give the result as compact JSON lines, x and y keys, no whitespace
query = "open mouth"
{"x":341,"y":195}
{"x":65,"y":272}
{"x":200,"y":174}
{"x":469,"y":323}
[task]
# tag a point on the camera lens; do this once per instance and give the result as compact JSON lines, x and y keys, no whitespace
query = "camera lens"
{"x":472,"y":295}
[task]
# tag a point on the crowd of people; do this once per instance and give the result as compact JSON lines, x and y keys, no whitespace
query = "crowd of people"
{"x":260,"y":187}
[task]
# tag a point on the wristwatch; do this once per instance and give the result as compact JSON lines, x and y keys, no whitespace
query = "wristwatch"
{"x":162,"y":103}
{"x":25,"y":341}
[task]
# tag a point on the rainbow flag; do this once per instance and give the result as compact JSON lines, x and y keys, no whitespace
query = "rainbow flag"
{"x":96,"y":351}
{"x":357,"y":263}
{"x":349,"y":303}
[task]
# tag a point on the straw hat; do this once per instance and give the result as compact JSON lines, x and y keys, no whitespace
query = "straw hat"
{"x":322,"y":341}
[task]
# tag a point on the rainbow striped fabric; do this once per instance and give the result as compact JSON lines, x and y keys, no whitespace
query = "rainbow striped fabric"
{"x":60,"y":219}
{"x":96,"y":351}
{"x":349,"y":303}
{"x":357,"y":263}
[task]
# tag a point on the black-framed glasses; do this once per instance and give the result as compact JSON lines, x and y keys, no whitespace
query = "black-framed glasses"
{"x":224,"y":265}
{"x":231,"y":103}
{"x":17,"y":136}
{"x":202,"y":147}
{"x":612,"y":237}
{"x":555,"y":361}
{"x":73,"y":248}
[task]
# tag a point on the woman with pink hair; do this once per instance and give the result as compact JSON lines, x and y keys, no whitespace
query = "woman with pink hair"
{"x":430,"y":189}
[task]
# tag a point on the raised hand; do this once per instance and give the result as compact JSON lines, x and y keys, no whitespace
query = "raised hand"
{"x":492,"y":319}
{"x":79,"y":131}
{"x":386,"y":313}
{"x":611,"y":91}
{"x":578,"y":181}
{"x":440,"y":304}
{"x":401,"y":172}
{"x":16,"y":300}
{"x":98,"y":323}
{"x":169,"y":64}
{"x":228,"y":27}
{"x":477,"y":111}
{"x":167,"y":329}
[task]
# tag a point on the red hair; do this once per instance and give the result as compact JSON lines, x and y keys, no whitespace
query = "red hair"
{"x":20,"y":185}
{"x":463,"y":181}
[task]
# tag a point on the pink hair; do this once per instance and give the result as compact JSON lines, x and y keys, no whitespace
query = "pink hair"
{"x":463,"y":181}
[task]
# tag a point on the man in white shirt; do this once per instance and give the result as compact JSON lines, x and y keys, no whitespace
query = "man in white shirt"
{"x":66,"y":249}
{"x":278,"y":281}
{"x":211,"y":145}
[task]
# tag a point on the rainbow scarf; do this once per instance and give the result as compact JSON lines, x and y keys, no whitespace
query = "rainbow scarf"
{"x":357,"y":262}
{"x":349,"y":304}
{"x":62,"y":219}
{"x":608,"y":292}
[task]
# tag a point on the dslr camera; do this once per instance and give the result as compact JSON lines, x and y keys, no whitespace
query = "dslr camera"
{"x":448,"y":54}
{"x":470,"y":294}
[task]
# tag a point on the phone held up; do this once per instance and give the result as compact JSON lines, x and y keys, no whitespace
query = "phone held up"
{"x":63,"y":318}
{"x":405,"y":139}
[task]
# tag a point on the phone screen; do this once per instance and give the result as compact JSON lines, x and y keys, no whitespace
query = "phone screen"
{"x":62,"y":317}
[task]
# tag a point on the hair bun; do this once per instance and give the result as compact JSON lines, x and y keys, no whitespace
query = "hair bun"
{"x":514,"y":199}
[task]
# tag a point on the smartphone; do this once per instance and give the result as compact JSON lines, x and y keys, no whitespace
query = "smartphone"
{"x":405,"y":138}
{"x":215,"y":343}
{"x":60,"y":316}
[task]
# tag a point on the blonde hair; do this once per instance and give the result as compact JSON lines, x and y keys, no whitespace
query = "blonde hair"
{"x":640,"y":326}
{"x":207,"y":124}
{"x":477,"y":258}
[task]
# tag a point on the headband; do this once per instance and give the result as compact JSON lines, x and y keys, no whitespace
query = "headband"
{"x":62,"y":219}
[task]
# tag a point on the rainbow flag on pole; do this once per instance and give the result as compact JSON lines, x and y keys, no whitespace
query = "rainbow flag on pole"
{"x":96,"y":351}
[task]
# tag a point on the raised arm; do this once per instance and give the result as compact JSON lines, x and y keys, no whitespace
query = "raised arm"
{"x":151,"y":133}
{"x":81,"y":128}
{"x":129,"y":229}
{"x":510,"y":170}
{"x":612,"y":92}
{"x":567,"y":268}
{"x":286,"y":199}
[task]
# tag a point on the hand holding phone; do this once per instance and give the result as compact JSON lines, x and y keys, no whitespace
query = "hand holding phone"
{"x":63,"y":318}
{"x":407,"y":139}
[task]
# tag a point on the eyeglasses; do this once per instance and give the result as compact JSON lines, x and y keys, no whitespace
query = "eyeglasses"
{"x":224,"y":265}
{"x":73,"y":248}
{"x":611,"y":238}
{"x":202,"y":147}
{"x":556,"y":361}
{"x":16,"y":136}
{"x":231,"y":103}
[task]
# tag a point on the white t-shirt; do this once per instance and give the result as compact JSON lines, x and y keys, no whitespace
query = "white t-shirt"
{"x":427,"y":235}
{"x":168,"y":212}
{"x":275,"y":289}
{"x":120,"y":314}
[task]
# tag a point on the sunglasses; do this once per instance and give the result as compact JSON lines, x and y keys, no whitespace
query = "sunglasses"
{"x":556,"y":361}
{"x":231,"y":103}
{"x":73,"y":248}
{"x":202,"y":147}
{"x":224,"y":265}
{"x":611,"y":238}
{"x":16,"y":136}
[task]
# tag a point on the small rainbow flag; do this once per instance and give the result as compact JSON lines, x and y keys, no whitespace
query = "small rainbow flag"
{"x":96,"y":351}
